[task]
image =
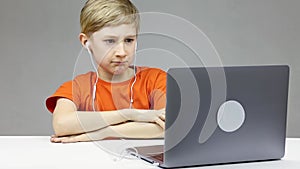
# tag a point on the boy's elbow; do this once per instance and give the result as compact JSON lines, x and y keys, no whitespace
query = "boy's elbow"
{"x":60,"y":127}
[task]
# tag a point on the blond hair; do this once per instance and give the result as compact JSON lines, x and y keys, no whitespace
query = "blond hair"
{"x":97,"y":14}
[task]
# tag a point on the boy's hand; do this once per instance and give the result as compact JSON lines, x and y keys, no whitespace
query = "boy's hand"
{"x":162,"y":119}
{"x":153,"y":116}
{"x":70,"y":139}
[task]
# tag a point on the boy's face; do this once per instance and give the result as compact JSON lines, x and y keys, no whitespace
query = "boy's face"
{"x":114,"y":48}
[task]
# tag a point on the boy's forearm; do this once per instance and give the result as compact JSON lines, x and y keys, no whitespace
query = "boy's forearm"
{"x":77,"y":122}
{"x":138,"y":130}
{"x":82,"y":122}
{"x":91,"y":121}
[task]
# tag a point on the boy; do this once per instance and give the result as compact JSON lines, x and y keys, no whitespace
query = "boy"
{"x":118,"y":100}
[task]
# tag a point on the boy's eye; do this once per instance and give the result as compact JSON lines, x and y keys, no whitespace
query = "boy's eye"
{"x":129,"y":40}
{"x":109,"y":41}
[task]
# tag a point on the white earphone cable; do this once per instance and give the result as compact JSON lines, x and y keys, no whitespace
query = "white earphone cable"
{"x":95,"y":84}
{"x":95,"y":68}
{"x":134,"y":72}
{"x":131,"y":88}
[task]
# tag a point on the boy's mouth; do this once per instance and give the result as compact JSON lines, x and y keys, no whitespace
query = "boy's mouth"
{"x":119,"y":62}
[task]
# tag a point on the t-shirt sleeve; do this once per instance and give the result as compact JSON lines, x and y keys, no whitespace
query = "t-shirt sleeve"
{"x":159,"y":92}
{"x":64,"y":91}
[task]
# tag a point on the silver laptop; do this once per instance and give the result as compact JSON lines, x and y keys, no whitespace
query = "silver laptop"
{"x":219,"y":115}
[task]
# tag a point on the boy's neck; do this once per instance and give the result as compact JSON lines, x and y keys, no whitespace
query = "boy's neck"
{"x":108,"y":77}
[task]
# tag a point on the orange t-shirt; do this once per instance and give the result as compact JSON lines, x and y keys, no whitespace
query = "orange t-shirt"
{"x":149,"y":92}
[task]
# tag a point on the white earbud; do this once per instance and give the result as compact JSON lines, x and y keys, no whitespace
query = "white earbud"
{"x":87,"y":44}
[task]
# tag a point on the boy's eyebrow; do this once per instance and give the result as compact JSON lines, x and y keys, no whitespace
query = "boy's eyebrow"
{"x":115,"y":37}
{"x":132,"y":36}
{"x":110,"y":36}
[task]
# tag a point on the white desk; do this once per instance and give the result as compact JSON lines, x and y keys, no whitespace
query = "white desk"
{"x":36,"y":152}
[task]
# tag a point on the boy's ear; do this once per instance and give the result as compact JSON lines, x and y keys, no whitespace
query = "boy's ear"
{"x":83,"y":39}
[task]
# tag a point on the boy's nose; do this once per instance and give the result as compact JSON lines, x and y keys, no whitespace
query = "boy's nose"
{"x":120,"y":50}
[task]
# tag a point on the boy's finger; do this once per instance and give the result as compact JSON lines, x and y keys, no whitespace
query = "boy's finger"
{"x":160,"y":123}
{"x":162,"y":117}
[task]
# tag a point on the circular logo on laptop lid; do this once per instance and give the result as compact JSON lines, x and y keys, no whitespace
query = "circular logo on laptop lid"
{"x":231,"y":116}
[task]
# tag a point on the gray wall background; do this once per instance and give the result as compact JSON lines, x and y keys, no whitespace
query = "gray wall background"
{"x":39,"y":47}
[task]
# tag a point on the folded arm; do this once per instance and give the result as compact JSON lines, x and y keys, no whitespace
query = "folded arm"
{"x":127,"y":130}
{"x":68,"y":121}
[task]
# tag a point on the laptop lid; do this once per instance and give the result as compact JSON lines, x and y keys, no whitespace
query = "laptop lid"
{"x":218,"y":115}
{"x":225,"y":114}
